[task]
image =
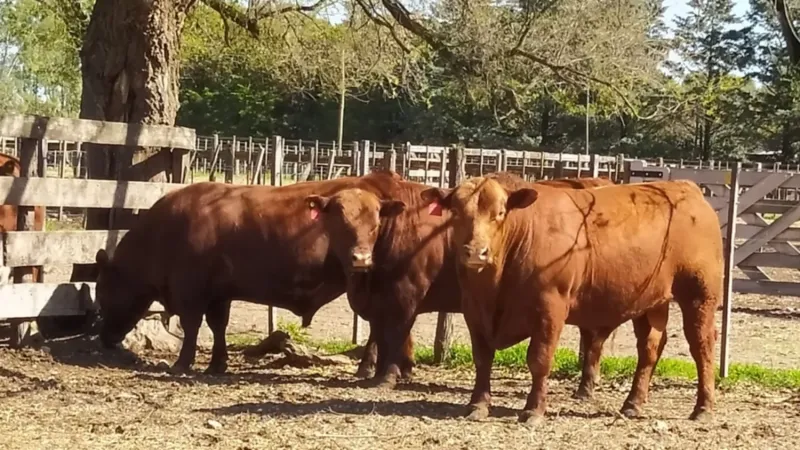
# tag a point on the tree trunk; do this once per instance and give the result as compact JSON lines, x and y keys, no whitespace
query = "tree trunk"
{"x":130,"y":65}
{"x":544,"y":125}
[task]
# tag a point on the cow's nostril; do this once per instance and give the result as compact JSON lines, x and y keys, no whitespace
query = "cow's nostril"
{"x":355,"y":257}
{"x":484,"y":252}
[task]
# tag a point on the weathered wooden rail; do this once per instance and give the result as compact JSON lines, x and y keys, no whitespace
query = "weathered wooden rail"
{"x":744,"y":201}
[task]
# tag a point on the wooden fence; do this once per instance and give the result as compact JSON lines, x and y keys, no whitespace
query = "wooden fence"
{"x":747,"y":202}
{"x":761,"y":242}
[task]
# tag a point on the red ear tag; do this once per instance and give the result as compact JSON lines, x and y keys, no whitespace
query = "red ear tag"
{"x":435,"y":209}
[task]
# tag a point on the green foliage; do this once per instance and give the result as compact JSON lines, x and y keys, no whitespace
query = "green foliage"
{"x":565,"y":365}
{"x":508,"y":74}
{"x":41,"y":60}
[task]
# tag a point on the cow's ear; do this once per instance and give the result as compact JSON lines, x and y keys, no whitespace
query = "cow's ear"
{"x":316,"y":205}
{"x":391,"y":208}
{"x":8,"y":168}
{"x":101,"y":258}
{"x":436,"y":199}
{"x":521,"y":198}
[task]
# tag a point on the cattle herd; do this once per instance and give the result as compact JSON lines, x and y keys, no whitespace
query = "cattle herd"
{"x":518,"y":259}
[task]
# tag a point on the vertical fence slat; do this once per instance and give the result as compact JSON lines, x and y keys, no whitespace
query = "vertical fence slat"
{"x":730,"y":246}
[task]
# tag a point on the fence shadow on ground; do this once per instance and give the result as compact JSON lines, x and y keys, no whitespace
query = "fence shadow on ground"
{"x":772,"y":313}
{"x":343,"y":381}
{"x":411,"y":408}
{"x":87,"y":352}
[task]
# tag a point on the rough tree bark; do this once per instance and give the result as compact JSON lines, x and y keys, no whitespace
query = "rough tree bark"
{"x":130,"y":69}
{"x":130,"y":65}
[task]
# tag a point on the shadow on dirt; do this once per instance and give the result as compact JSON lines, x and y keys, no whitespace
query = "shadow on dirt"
{"x":411,"y":408}
{"x":772,"y":313}
{"x":85,"y":351}
{"x":253,"y":377}
{"x":29,"y":383}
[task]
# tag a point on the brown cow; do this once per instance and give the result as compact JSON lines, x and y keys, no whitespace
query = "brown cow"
{"x":11,"y":167}
{"x":406,"y":267}
{"x":533,"y":259}
{"x":203,"y":245}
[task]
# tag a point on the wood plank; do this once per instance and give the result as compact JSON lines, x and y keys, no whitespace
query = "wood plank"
{"x":767,"y":287}
{"x":730,"y":248}
{"x":31,"y":300}
{"x":79,"y":193}
{"x":778,"y":260}
{"x":748,"y":231}
{"x":767,"y":234}
{"x":755,"y":193}
{"x":37,"y":248}
{"x":721,"y":177}
{"x":97,"y":132}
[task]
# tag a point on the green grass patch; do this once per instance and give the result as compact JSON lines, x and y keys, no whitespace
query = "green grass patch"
{"x":565,"y":363}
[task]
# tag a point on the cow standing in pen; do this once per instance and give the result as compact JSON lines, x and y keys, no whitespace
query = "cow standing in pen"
{"x":204,"y":245}
{"x":406,"y":266}
{"x":531,"y":260}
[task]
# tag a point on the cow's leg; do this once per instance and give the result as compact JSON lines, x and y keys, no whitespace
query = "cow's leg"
{"x":542,"y":348}
{"x":483,"y":355}
{"x":190,"y":322}
{"x":366,"y":368}
{"x":651,"y":337}
{"x":393,"y":337}
{"x":407,"y":361}
{"x":700,"y":332}
{"x":217,"y":316}
{"x":592,"y":341}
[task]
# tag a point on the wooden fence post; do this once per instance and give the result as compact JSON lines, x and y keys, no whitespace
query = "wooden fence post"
{"x":559,"y":172}
{"x":33,"y":162}
{"x":212,"y":176}
{"x":444,"y":321}
{"x":390,"y":159}
{"x":730,"y":246}
{"x":276,"y":179}
{"x":364,"y":161}
{"x":594,"y":162}
{"x":230,"y":170}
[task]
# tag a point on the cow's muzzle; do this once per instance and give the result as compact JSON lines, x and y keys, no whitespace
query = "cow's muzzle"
{"x":475,"y":257}
{"x":360,"y":261}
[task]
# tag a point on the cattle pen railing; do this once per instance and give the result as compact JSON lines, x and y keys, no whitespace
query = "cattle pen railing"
{"x":757,"y":211}
{"x":764,"y":193}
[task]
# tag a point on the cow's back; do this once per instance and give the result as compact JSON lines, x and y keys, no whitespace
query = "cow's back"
{"x":634,"y":242}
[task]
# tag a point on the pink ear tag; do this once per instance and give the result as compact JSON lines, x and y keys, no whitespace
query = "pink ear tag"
{"x":313,"y":211}
{"x":435,"y":209}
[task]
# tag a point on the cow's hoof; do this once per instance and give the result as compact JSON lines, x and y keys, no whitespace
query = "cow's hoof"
{"x":582,"y":394}
{"x":179,"y":369}
{"x":216,"y":369}
{"x":530,"y":418}
{"x":477,"y":413}
{"x":406,"y":375}
{"x":385,"y":385}
{"x":701,"y":415}
{"x":631,"y":411}
{"x":365,"y":371}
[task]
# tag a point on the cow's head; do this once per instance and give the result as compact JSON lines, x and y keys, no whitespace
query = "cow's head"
{"x":122,"y":303}
{"x":479,"y":208}
{"x":352,"y":218}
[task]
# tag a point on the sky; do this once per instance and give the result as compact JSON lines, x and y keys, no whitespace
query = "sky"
{"x":677,"y":8}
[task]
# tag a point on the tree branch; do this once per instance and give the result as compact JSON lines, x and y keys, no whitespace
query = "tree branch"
{"x":249,"y":22}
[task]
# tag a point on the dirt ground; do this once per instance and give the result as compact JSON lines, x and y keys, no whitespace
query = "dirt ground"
{"x":89,"y":400}
{"x":71,"y":395}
